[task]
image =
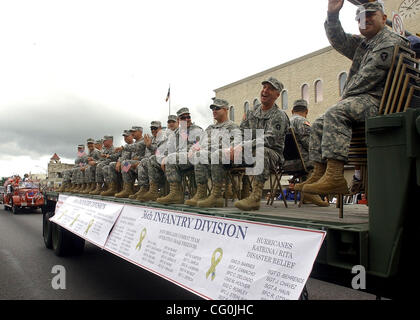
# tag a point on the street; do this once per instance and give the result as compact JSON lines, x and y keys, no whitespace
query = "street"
{"x":26,"y":271}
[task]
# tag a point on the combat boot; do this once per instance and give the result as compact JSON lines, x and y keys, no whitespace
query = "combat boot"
{"x":77,"y":188}
{"x":201,"y":194}
{"x":62,"y":187}
{"x":98,"y":189}
{"x":332,"y":182}
{"x":83,"y":188}
{"x":72,"y":187}
{"x":69,"y":186}
{"x":253,"y":202}
{"x":92,"y":186}
{"x":228,"y":191}
{"x":111,"y":191}
{"x":140,"y":193}
{"x":152,"y":194}
{"x":314,"y":199}
{"x":126,"y":192}
{"x":175,"y":196}
{"x":317,"y":173}
{"x":215,"y":199}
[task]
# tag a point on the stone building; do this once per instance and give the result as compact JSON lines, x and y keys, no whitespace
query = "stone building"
{"x":317,"y":77}
{"x":55,"y":171}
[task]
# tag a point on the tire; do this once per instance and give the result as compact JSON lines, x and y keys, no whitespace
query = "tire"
{"x":65,"y":243}
{"x":47,"y":229}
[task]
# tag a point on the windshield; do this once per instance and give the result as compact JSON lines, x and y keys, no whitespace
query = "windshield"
{"x":28,"y":185}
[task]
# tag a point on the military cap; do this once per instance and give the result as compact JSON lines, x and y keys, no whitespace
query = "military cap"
{"x":369,"y":7}
{"x":182,"y":111}
{"x":156,"y":124}
{"x":136,"y":128}
{"x":108,"y":138}
{"x":300,"y":102}
{"x":220,"y":103}
{"x":99,"y":141}
{"x":126,"y":133}
{"x":90,"y":140}
{"x":414,"y":44}
{"x":172,"y":117}
{"x":81,"y":146}
{"x":275,"y":83}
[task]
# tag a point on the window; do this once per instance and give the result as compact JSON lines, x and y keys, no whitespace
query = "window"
{"x":232,"y":113}
{"x":342,"y":78}
{"x":255,"y":103}
{"x":246,"y":107}
{"x":284,"y":99}
{"x":305,"y":92}
{"x":318,"y":91}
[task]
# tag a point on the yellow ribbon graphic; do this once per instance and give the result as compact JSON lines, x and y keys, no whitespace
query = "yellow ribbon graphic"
{"x":90,"y":225}
{"x":71,"y":224}
{"x":214,"y":263}
{"x":142,"y":236}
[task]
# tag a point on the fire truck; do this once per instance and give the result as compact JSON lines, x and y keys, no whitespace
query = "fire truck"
{"x":19,"y":195}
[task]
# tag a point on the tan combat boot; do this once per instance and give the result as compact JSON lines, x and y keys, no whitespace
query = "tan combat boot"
{"x":254,"y":200}
{"x":215,"y":200}
{"x":111,"y":191}
{"x":97,"y":190}
{"x":152,"y":194}
{"x":332,"y":182}
{"x":92,"y":186}
{"x":126,"y":192}
{"x":228,"y":191}
{"x":72,"y":187}
{"x":63,"y":187}
{"x":142,"y":191}
{"x":317,"y":173}
{"x":68,"y":187}
{"x":175,"y":196}
{"x":83,"y":188}
{"x":201,"y":194}
{"x":77,"y":188}
{"x":314,"y":199}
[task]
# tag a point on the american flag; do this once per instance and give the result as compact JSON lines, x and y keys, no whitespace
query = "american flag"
{"x":168,"y":95}
{"x":126,"y":166}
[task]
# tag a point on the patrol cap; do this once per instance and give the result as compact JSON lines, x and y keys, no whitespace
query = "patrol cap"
{"x":369,"y":7}
{"x":414,"y":44}
{"x":182,"y":111}
{"x":81,"y":146}
{"x":99,"y":141}
{"x":221,"y":103}
{"x":126,"y":133}
{"x":300,"y":103}
{"x":108,"y":138}
{"x":156,"y":124}
{"x":172,"y":117}
{"x":136,"y":128}
{"x":275,"y":83}
{"x":90,"y":140}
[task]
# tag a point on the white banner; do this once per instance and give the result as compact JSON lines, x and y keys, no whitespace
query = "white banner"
{"x":217,"y":258}
{"x":88,"y":218}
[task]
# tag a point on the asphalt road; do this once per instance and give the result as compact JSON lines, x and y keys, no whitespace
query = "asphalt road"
{"x":26,"y":271}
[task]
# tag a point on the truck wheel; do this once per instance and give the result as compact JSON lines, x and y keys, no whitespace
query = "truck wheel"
{"x":64,"y":242}
{"x":47,"y":229}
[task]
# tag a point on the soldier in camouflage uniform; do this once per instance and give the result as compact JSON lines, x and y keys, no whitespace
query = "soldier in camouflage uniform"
{"x":302,"y":129}
{"x":209,"y":153}
{"x":113,"y":171}
{"x":185,"y":136}
{"x":107,"y":151}
{"x":275,"y":123}
{"x":89,"y":169}
{"x":129,"y":174}
{"x":372,"y":55}
{"x":98,"y":144}
{"x":142,"y":168}
{"x":154,"y":168}
{"x":77,"y":176}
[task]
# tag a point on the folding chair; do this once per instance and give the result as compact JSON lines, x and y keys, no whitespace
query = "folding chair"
{"x":291,"y":152}
{"x":407,"y":72}
{"x":391,"y":74}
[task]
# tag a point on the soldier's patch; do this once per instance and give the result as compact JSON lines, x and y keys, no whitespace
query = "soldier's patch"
{"x":384,"y":56}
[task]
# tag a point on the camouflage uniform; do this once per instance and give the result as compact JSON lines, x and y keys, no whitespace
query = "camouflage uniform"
{"x":99,"y":174}
{"x":213,"y":150}
{"x":142,"y":168}
{"x":302,"y":129}
{"x":77,"y":175}
{"x":90,"y":170}
{"x":138,"y":151}
{"x":331,"y":133}
{"x":275,"y":124}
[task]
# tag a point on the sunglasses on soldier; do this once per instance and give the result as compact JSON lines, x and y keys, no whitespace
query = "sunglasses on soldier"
{"x":185,"y":117}
{"x":215,"y":108}
{"x":153,"y":128}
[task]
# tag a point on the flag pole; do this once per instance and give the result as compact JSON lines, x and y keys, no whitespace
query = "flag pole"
{"x":169,"y":99}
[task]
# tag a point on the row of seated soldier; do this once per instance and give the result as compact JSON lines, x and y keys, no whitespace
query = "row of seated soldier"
{"x":160,"y":162}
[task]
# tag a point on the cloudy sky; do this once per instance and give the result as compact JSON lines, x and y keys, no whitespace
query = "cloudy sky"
{"x":70,"y":70}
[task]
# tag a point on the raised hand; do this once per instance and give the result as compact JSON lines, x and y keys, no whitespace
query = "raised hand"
{"x":334,"y":6}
